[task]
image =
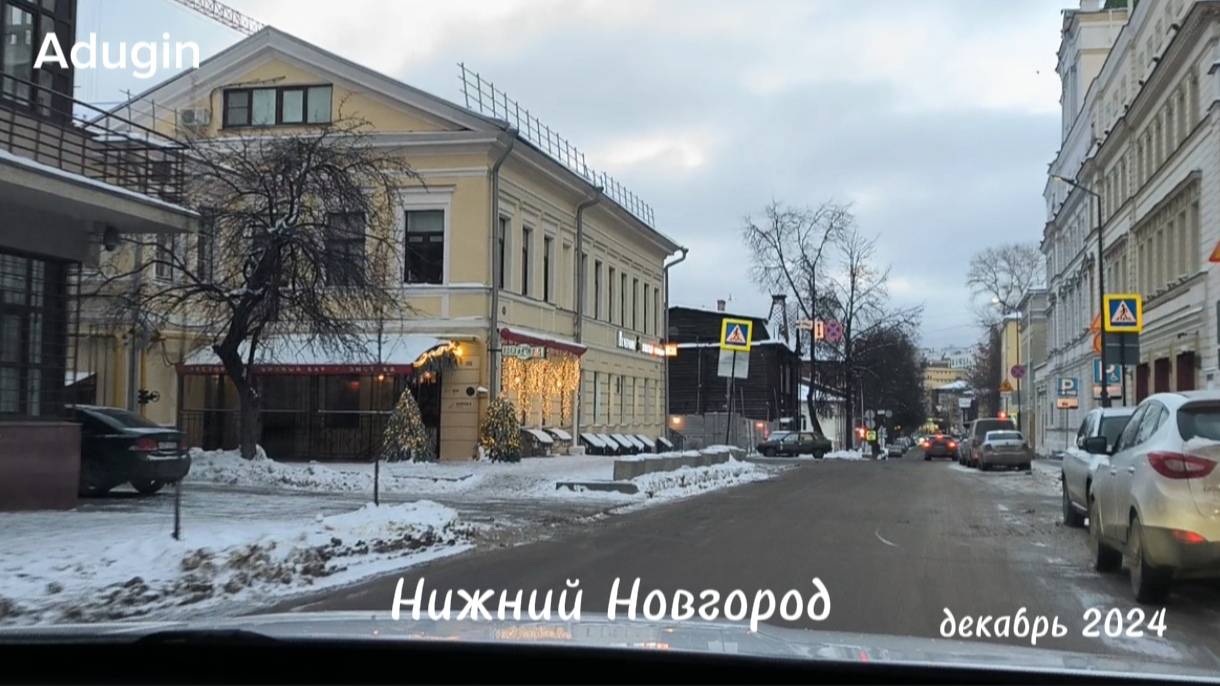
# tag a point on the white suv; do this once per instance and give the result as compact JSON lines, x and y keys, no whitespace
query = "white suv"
{"x":1079,"y":465}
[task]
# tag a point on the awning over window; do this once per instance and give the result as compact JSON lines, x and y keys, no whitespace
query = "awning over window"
{"x":624,"y":441}
{"x":648,"y":442}
{"x":560,"y":434}
{"x":516,"y":336}
{"x":540,"y":435}
{"x":593,"y":440}
{"x":297,"y":354}
{"x":665,"y":442}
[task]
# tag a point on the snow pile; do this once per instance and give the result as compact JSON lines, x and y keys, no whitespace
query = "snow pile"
{"x":109,"y":567}
{"x":688,"y":481}
{"x":845,"y":455}
{"x":228,"y":467}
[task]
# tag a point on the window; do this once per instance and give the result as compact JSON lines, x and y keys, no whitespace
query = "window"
{"x":425,"y":246}
{"x":1127,"y":438}
{"x":635,"y":306}
{"x":17,"y":58}
{"x":584,"y":275}
{"x":610,"y":298}
{"x":527,"y":238}
{"x":597,"y":289}
{"x":33,"y":313}
{"x":501,"y":241}
{"x":205,"y":248}
{"x":292,"y":106}
{"x":622,"y":297}
{"x":345,"y":248}
{"x":548,"y":256}
{"x":656,"y":314}
{"x":645,"y":308}
{"x":596,"y":396}
{"x":165,"y":264}
{"x":288,"y":105}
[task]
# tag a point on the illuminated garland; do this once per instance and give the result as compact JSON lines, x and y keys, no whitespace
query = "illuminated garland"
{"x":405,"y":437}
{"x":534,"y":382}
{"x":430,"y":364}
{"x":500,"y":433}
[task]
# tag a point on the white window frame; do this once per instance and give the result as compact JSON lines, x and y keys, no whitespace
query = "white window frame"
{"x":415,"y":200}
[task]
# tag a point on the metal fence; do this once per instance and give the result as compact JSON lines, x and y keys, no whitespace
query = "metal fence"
{"x":483,"y":97}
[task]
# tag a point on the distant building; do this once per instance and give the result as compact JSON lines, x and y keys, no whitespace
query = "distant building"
{"x":769,"y":392}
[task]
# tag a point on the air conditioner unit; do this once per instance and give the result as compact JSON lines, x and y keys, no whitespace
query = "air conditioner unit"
{"x":195,"y":117}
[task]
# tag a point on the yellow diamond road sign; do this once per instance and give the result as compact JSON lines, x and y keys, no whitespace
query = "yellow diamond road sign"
{"x":1123,"y":313}
{"x":735,"y":334}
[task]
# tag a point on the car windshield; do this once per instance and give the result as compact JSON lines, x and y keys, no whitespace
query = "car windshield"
{"x":780,"y":328}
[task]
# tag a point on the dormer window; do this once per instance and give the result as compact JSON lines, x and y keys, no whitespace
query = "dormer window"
{"x":283,"y":106}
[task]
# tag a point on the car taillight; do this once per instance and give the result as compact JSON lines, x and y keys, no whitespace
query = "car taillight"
{"x":952,"y":444}
{"x":145,"y":445}
{"x":1179,"y":466}
{"x":924,"y":444}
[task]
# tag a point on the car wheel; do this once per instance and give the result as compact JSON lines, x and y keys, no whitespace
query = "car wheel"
{"x":1105,"y":558}
{"x":927,"y":457}
{"x":768,"y":452}
{"x":147,"y":486}
{"x":1071,"y":517}
{"x":1148,"y":583}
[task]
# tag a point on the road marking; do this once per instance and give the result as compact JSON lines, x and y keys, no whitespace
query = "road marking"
{"x":881,"y":538}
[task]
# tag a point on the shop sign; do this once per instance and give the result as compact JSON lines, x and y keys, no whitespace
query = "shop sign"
{"x":659,"y":349}
{"x":523,"y":351}
{"x":627,"y":341}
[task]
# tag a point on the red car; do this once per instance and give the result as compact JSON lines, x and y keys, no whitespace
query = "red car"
{"x":939,"y":445}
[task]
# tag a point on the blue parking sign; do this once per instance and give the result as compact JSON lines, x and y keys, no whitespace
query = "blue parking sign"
{"x":1069,"y":387}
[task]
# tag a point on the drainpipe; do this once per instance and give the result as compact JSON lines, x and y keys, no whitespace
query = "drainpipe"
{"x":493,"y":333}
{"x":665,"y":338}
{"x":580,"y":300}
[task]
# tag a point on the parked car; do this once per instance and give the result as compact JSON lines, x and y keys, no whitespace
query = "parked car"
{"x":119,"y":447}
{"x":1079,"y":465}
{"x":938,"y":445}
{"x":978,"y":431}
{"x":793,"y":443}
{"x":1155,"y":504}
{"x":1005,"y":449}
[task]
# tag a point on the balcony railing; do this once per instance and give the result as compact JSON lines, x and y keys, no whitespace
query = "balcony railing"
{"x":58,"y":131}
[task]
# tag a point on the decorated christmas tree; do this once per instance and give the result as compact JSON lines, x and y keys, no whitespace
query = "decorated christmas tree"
{"x":500,"y":432}
{"x":405,"y":437}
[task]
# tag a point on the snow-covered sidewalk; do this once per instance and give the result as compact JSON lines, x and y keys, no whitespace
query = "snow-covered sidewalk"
{"x":74,"y":566}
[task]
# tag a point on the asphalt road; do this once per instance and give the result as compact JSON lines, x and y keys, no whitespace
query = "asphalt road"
{"x":895,"y":542}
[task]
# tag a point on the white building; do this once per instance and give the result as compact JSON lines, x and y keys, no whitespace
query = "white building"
{"x":1139,"y":129}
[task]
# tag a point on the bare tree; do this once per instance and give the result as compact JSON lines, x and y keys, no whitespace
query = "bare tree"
{"x":1003,"y":275}
{"x":298,"y":237}
{"x":860,"y":301}
{"x":788,"y":247}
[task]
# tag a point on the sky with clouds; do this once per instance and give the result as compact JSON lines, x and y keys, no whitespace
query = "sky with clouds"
{"x":934,"y":119}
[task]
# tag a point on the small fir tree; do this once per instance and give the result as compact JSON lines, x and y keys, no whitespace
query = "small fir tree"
{"x":500,"y":432}
{"x":405,"y":437}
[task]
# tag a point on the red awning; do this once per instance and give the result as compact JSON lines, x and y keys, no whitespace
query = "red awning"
{"x":511,"y":336}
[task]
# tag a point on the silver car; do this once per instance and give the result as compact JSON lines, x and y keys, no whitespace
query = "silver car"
{"x":1079,"y":465}
{"x":1155,"y":505}
{"x":1004,"y":448}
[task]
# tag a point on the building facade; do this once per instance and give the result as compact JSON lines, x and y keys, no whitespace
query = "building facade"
{"x":534,"y":284}
{"x":72,"y":180}
{"x":1140,"y":134}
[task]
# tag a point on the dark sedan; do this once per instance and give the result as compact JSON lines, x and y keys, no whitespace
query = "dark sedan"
{"x":120,"y":447}
{"x":939,"y":445}
{"x":792,"y":444}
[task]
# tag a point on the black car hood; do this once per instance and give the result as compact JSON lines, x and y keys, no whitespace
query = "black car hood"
{"x":599,"y":632}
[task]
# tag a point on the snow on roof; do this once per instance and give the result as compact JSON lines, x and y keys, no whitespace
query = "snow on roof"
{"x":40,"y":168}
{"x":959,"y":385}
{"x":395,"y":349}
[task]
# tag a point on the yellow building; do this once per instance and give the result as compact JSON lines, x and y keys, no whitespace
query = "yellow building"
{"x":1011,"y":388}
{"x":570,"y":336}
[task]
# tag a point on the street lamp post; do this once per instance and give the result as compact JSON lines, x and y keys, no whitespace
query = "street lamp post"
{"x":1101,"y":286}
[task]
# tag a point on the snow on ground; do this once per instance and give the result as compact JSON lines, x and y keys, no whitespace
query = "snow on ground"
{"x":73,"y":566}
{"x":1042,"y":479}
{"x":531,"y":478}
{"x":844,"y":455}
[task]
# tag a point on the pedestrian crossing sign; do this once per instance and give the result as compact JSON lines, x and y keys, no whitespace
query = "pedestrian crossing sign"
{"x":735,"y":334}
{"x":1124,"y":313}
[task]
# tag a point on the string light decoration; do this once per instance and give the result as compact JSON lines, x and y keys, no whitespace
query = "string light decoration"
{"x":405,"y":437}
{"x":538,"y":380}
{"x":500,"y":433}
{"x":430,"y":364}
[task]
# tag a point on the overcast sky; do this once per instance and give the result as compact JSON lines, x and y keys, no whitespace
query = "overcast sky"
{"x":934,"y":119}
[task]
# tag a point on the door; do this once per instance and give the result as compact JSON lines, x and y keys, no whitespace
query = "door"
{"x":1107,"y":474}
{"x":1076,"y":461}
{"x":1122,"y":468}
